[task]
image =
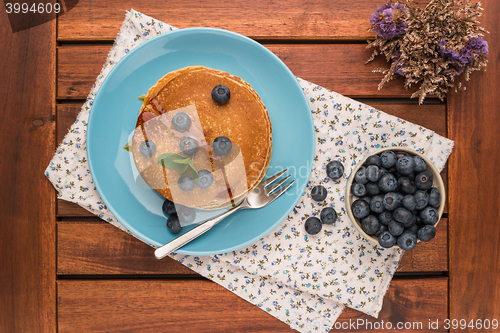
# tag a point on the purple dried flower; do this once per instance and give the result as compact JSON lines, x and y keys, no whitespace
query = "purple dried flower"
{"x":388,"y":20}
{"x":469,"y":52}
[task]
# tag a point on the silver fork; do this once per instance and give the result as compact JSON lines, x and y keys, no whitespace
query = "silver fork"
{"x":259,"y":197}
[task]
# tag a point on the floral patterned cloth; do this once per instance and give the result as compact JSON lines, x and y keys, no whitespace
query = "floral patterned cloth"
{"x":300,"y":279}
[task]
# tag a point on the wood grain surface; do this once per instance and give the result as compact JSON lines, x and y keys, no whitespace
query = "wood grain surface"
{"x":474,"y":124}
{"x":338,"y":67}
{"x":27,"y":213}
{"x":181,"y":305}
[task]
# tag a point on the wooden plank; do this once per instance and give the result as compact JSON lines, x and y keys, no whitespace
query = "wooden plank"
{"x":27,"y":212}
{"x":293,"y":19}
{"x":180,"y":305}
{"x":474,"y":124}
{"x":98,"y":248}
{"x":339,"y":67}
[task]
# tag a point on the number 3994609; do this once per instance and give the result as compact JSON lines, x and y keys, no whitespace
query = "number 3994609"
{"x":39,"y":8}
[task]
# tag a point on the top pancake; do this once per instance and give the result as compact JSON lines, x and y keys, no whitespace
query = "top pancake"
{"x":243,"y":119}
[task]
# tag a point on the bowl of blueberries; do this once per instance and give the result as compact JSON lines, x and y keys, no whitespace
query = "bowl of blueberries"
{"x":395,"y":197}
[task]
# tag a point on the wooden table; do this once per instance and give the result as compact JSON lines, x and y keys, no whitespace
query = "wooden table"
{"x":62,"y":269}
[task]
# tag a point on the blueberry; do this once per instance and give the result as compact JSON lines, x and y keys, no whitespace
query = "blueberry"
{"x":358,"y":190}
{"x":360,"y":176}
{"x":372,"y":173}
{"x":372,"y":189}
{"x":318,"y":193}
{"x":221,"y":94}
{"x":419,"y":164}
{"x":382,"y":171}
{"x":395,"y":228}
{"x":186,"y":214}
{"x":335,"y":170}
{"x":313,"y":225}
{"x":429,"y":215}
{"x":405,"y":165}
{"x":413,"y":228}
{"x":360,"y":208}
{"x":173,"y":224}
{"x":373,"y":160}
{"x":434,"y":197}
{"x":367,"y":199}
{"x":402,"y":215}
{"x":400,"y":154}
{"x":376,"y":204}
{"x":424,"y":180}
{"x":168,"y":207}
{"x":188,"y":146}
{"x":222,"y":145}
{"x":407,"y":240}
{"x":388,"y":159}
{"x":386,"y":239}
{"x":147,"y":148}
{"x":382,"y":229}
{"x":186,"y":183}
{"x":426,"y":233}
{"x":409,"y":202}
{"x":406,"y":185}
{"x":370,"y":225}
{"x":328,"y":215}
{"x":421,"y":199}
{"x":385,"y":217}
{"x":391,"y":201}
{"x":387,"y":183}
{"x":206,"y":178}
{"x":181,"y":122}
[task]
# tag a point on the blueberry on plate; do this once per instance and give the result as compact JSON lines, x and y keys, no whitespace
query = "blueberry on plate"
{"x":181,"y":122}
{"x":147,"y":148}
{"x":409,"y":202}
{"x":387,"y":183}
{"x":434,"y":197}
{"x":328,"y":215}
{"x":406,"y":185}
{"x":372,"y":189}
{"x":188,"y":145}
{"x":360,"y":176}
{"x":429,"y":215}
{"x":318,"y":193}
{"x":358,"y":190}
{"x":386,"y":239}
{"x":388,"y":159}
{"x":424,"y":180}
{"x":370,"y":225}
{"x":419,"y":164}
{"x":421,"y":199}
{"x":385,"y":217}
{"x":395,"y":228}
{"x":402,"y":215}
{"x":407,"y":240}
{"x":376,"y":204}
{"x":206,"y":178}
{"x":405,"y":165}
{"x":360,"y":208}
{"x":168,"y":207}
{"x":173,"y":224}
{"x":335,"y":170}
{"x":221,"y":94}
{"x":391,"y":201}
{"x":372,"y":173}
{"x":426,"y":233}
{"x":373,"y":160}
{"x":186,"y":214}
{"x":313,"y":225}
{"x":222,"y":145}
{"x":186,"y":183}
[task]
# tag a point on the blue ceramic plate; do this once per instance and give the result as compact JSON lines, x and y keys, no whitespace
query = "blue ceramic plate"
{"x":114,"y":115}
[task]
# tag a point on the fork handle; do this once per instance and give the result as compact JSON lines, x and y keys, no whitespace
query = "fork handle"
{"x":199,"y":230}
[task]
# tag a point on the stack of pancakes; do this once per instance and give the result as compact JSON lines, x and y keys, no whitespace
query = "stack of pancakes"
{"x":243,"y":119}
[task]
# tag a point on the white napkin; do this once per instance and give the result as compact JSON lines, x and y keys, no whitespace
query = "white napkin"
{"x":303,"y":280}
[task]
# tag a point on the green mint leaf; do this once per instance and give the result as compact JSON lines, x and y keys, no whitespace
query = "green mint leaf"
{"x":194,"y":173}
{"x":128,"y":146}
{"x":183,"y":161}
{"x":168,"y":160}
{"x":183,"y":169}
{"x":142,"y":97}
